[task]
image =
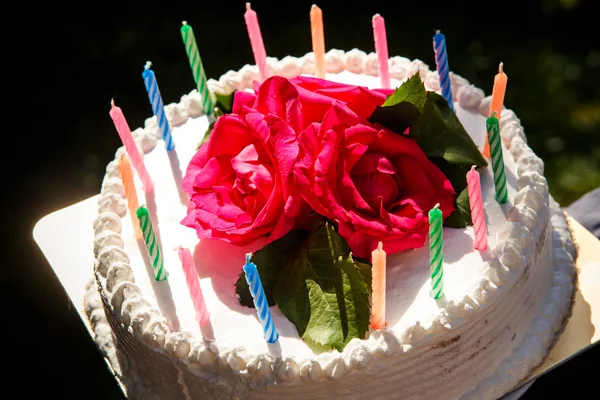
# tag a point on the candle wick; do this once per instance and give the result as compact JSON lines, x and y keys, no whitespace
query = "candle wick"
{"x":437,"y":32}
{"x":313,"y":7}
{"x":494,"y":114}
{"x":473,"y":167}
{"x":112,"y":102}
{"x":437,"y":205}
{"x":148,"y":65}
{"x":376,"y":16}
{"x":248,"y":255}
{"x":380,"y":246}
{"x":501,"y":67}
{"x":184,"y":22}
{"x":248,"y":6}
{"x":178,"y":248}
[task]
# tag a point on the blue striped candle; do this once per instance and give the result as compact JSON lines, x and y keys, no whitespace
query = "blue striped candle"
{"x":158,"y":107}
{"x":260,"y":300}
{"x":441,"y":61}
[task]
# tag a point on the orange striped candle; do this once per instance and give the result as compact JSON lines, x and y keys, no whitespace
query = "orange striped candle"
{"x":497,"y":103}
{"x":378,"y":285}
{"x":318,"y":40}
{"x":130,"y":194}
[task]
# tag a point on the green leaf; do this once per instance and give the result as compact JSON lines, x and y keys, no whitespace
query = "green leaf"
{"x":224,"y":102}
{"x":269,"y":261}
{"x":440,"y":134}
{"x":223,"y":105}
{"x":461,"y":217}
{"x":411,"y":91}
{"x":324,"y":292}
{"x":457,"y":175}
{"x":402,"y":107}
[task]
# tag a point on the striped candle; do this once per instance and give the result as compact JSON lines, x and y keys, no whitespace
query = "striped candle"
{"x":493,"y":133}
{"x":191,"y":278}
{"x":156,"y":259}
{"x":436,"y":252}
{"x":157,"y":105}
{"x":381,"y":48}
{"x":318,"y":40}
{"x":260,"y":300}
{"x":441,"y":61}
{"x":256,"y":41}
{"x":191,"y":48}
{"x":477,"y":213}
{"x":134,"y":154}
{"x":130,"y":194}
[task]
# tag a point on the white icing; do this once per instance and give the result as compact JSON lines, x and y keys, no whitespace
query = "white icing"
{"x":469,"y":97}
{"x":432,"y":81}
{"x":334,"y":61}
{"x":107,"y":221}
{"x":355,"y":61}
{"x":118,"y":272}
{"x":476,"y":284}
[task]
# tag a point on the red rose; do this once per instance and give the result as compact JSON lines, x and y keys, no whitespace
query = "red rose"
{"x":240,"y":181}
{"x":376,"y":185}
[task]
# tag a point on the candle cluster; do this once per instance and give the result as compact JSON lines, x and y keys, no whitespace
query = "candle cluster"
{"x":140,"y":215}
{"x":492,"y":149}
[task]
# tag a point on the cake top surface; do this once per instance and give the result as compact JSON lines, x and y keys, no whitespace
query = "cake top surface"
{"x":219,"y":264}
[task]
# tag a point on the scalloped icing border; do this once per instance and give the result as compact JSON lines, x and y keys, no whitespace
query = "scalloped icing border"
{"x":527,"y":219}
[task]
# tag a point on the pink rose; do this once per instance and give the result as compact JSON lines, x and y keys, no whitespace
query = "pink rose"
{"x":376,"y":185}
{"x":240,"y":181}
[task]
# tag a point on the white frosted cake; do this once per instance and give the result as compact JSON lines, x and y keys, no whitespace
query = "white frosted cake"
{"x":501,"y":312}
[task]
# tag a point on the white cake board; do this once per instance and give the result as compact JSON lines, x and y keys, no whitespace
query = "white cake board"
{"x":66,"y":239}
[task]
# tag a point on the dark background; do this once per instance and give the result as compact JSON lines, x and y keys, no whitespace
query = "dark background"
{"x":70,"y":60}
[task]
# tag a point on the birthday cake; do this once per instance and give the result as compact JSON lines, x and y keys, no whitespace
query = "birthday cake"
{"x":315,"y":183}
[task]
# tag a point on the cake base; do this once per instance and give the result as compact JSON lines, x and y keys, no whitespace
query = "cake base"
{"x":66,"y":240}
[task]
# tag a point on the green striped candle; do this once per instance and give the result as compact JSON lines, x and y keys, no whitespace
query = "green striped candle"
{"x":493,"y":130}
{"x":158,"y":264}
{"x":191,"y":49}
{"x":436,"y":252}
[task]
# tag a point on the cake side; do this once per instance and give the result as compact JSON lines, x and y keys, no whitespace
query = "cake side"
{"x":504,"y":270}
{"x":532,"y":350}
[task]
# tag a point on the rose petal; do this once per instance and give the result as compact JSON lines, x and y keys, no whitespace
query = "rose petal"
{"x":277,"y":95}
{"x":229,"y":136}
{"x":360,"y":100}
{"x":376,"y":188}
{"x":242,"y":98}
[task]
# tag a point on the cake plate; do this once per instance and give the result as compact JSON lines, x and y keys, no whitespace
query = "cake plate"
{"x":66,"y":239}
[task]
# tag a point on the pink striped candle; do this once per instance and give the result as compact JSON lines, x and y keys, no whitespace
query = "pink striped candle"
{"x":134,"y":155}
{"x":256,"y":40}
{"x":477,"y":214}
{"x":191,"y":278}
{"x":381,"y":48}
